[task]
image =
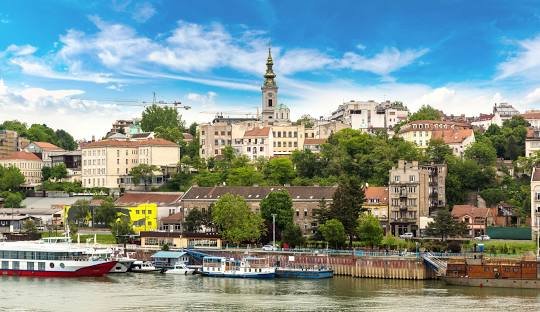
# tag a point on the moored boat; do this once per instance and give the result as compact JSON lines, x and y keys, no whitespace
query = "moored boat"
{"x":50,"y":260}
{"x":143,"y":267}
{"x":304,"y":272}
{"x":247,"y":267}
{"x":179,"y":269}
{"x":484,"y":272}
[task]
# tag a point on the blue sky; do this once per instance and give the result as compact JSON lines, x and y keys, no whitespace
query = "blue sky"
{"x":73,"y":64}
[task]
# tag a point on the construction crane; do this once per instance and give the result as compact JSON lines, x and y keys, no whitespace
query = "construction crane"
{"x":144,"y":104}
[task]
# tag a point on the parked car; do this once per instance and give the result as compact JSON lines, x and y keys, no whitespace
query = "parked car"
{"x":269,"y":247}
{"x":407,"y":235}
{"x":482,"y":237}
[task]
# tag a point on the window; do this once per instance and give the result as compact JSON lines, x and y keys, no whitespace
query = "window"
{"x":396,"y":178}
{"x":538,"y":196}
{"x":30,"y":266}
{"x":261,"y":149}
{"x":270,"y":102}
{"x":41,"y":266}
{"x":202,"y":132}
{"x":216,"y":132}
{"x":297,"y":213}
{"x":249,"y":149}
{"x":5,"y":265}
{"x":222,"y":132}
{"x":411,"y":178}
{"x":51,"y":265}
{"x":295,"y":144}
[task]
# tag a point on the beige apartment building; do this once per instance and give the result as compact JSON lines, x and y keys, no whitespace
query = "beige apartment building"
{"x":222,"y":132}
{"x":107,"y":163}
{"x":257,"y":142}
{"x":287,"y":138}
{"x":420,"y":132}
{"x":29,"y":164}
{"x":8,"y":142}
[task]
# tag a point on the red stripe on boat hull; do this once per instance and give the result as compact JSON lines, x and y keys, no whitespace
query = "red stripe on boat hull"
{"x":89,"y":271}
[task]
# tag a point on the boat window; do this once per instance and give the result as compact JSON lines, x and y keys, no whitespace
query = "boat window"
{"x":15,"y":265}
{"x":30,"y":266}
{"x":51,"y":265}
{"x":62,"y":265}
{"x":41,"y":266}
{"x":5,"y":265}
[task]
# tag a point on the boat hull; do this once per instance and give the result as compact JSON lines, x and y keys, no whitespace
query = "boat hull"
{"x":493,"y":282}
{"x":307,"y":274}
{"x":96,"y":270}
{"x":240,"y":275}
{"x":180,"y":271}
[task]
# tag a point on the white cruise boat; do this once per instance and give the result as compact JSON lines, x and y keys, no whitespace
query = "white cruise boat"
{"x":41,"y":259}
{"x":180,"y":269}
{"x":247,"y":267}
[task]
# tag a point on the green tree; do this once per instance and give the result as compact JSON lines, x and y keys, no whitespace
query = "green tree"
{"x":306,"y":120}
{"x":347,"y":204}
{"x":79,"y":212}
{"x":12,"y":199}
{"x":370,"y":231}
{"x":144,"y":173}
{"x":437,"y":151}
{"x":65,"y":140}
{"x":244,"y":176}
{"x":206,"y":178}
{"x":41,"y":133}
{"x":292,"y":235}
{"x":237,"y":223}
{"x":172,"y":134}
{"x":493,"y":196}
{"x":426,"y":112}
{"x":196,"y":220}
{"x":29,"y":226}
{"x":193,"y":129}
{"x":121,"y":228}
{"x":106,"y":213}
{"x":46,"y":173}
{"x":15,"y":125}
{"x":155,"y":116}
{"x":11,"y":178}
{"x":307,"y":163}
{"x":280,"y":204}
{"x":58,"y":172}
{"x":445,"y":226}
{"x":333,"y":232}
{"x":279,"y":171}
{"x":482,"y":152}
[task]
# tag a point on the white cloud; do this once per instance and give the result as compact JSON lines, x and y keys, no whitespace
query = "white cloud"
{"x":383,"y":63}
{"x":360,"y":46}
{"x":524,"y":63}
{"x":58,"y":109}
{"x":16,"y":50}
{"x":143,"y":12}
{"x":533,"y":96}
{"x":300,"y":60}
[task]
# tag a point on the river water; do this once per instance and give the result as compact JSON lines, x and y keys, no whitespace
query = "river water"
{"x":157,"y":292}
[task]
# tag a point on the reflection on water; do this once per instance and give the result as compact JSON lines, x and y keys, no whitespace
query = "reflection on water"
{"x":156,"y":292}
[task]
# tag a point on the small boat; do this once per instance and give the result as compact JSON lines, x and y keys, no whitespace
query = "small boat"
{"x":247,"y":267}
{"x":143,"y":267}
{"x":180,"y":269}
{"x":308,"y":273}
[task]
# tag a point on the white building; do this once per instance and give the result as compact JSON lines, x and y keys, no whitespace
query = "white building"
{"x":370,"y":115}
{"x":533,"y":118}
{"x":44,"y":150}
{"x":532,"y":142}
{"x":257,"y":142}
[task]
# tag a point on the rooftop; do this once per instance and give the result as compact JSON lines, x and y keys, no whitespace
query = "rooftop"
{"x":471,"y":211}
{"x":535,"y":114}
{"x":42,"y":203}
{"x":46,"y":146}
{"x":378,"y":193}
{"x":21,"y":156}
{"x":452,"y":136}
{"x":169,"y":254}
{"x":258,"y":132}
{"x":259,"y":192}
{"x":132,"y":144}
{"x":174,"y":218}
{"x":159,"y":198}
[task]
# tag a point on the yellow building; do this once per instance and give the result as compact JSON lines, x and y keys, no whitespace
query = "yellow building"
{"x":29,"y":165}
{"x":143,"y":217}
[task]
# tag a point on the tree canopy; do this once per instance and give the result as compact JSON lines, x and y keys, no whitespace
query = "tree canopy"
{"x":347,"y":204}
{"x":426,"y":112}
{"x":370,"y":231}
{"x":144,"y":173}
{"x":444,"y":226}
{"x":155,"y":116}
{"x":280,"y":204}
{"x":11,"y":178}
{"x":333,"y":232}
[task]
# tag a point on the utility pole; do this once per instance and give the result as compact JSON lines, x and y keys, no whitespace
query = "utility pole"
{"x":274,"y":230}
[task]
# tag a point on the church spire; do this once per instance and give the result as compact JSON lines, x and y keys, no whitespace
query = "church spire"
{"x":269,"y":75}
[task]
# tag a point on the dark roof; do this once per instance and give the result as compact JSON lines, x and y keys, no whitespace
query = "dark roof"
{"x":260,"y":192}
{"x":141,"y":135}
{"x":174,"y":218}
{"x":159,"y":198}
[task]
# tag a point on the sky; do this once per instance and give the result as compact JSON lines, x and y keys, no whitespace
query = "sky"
{"x":80,"y":65}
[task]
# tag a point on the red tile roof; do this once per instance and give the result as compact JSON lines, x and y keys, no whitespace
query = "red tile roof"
{"x":378,"y":193}
{"x":468,"y":210}
{"x":484,"y":117}
{"x":159,"y":198}
{"x":46,"y":146}
{"x":174,"y":218}
{"x":258,"y":132}
{"x":531,"y":115}
{"x":257,"y":193}
{"x":314,"y":141}
{"x":21,"y":156}
{"x":452,"y":136}
{"x":117,"y":143}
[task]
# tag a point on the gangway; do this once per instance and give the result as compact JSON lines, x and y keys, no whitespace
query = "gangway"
{"x":196,"y":254}
{"x":438,"y":264}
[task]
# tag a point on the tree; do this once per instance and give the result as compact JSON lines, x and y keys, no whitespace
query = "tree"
{"x":279,"y":171}
{"x":307,"y":163}
{"x":46,"y":173}
{"x":280,"y":204}
{"x":79,"y":212}
{"x":437,"y":151}
{"x":292,"y":235}
{"x":41,"y":133}
{"x":347,"y":204}
{"x":11,"y":178}
{"x":121,"y":229}
{"x":237,"y":223}
{"x":206,"y":178}
{"x":244,"y":176}
{"x":144,"y":173}
{"x":370,"y":231}
{"x":65,"y":140}
{"x":15,"y":125}
{"x":29,"y":226}
{"x":426,"y":112}
{"x":493,"y":196}
{"x":306,"y":120}
{"x":193,"y":129}
{"x":444,"y":225}
{"x":172,"y":134}
{"x":333,"y":232}
{"x":12,"y":200}
{"x":196,"y":220}
{"x":482,"y":152}
{"x":58,"y":172}
{"x":155,"y":116}
{"x":106,"y":213}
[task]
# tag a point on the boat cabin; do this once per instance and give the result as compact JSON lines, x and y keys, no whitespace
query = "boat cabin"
{"x":493,"y":268}
{"x":168,"y":259}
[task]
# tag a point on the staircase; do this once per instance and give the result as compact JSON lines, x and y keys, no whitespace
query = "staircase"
{"x":438,"y":264}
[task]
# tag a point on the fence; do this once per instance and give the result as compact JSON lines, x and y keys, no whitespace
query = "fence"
{"x":517,"y":233}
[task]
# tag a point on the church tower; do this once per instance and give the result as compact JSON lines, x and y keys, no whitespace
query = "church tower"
{"x":269,"y":92}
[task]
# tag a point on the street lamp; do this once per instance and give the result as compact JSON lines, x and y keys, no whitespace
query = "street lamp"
{"x":274,"y":230}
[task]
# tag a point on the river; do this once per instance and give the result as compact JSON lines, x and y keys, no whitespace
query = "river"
{"x":156,"y":292}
